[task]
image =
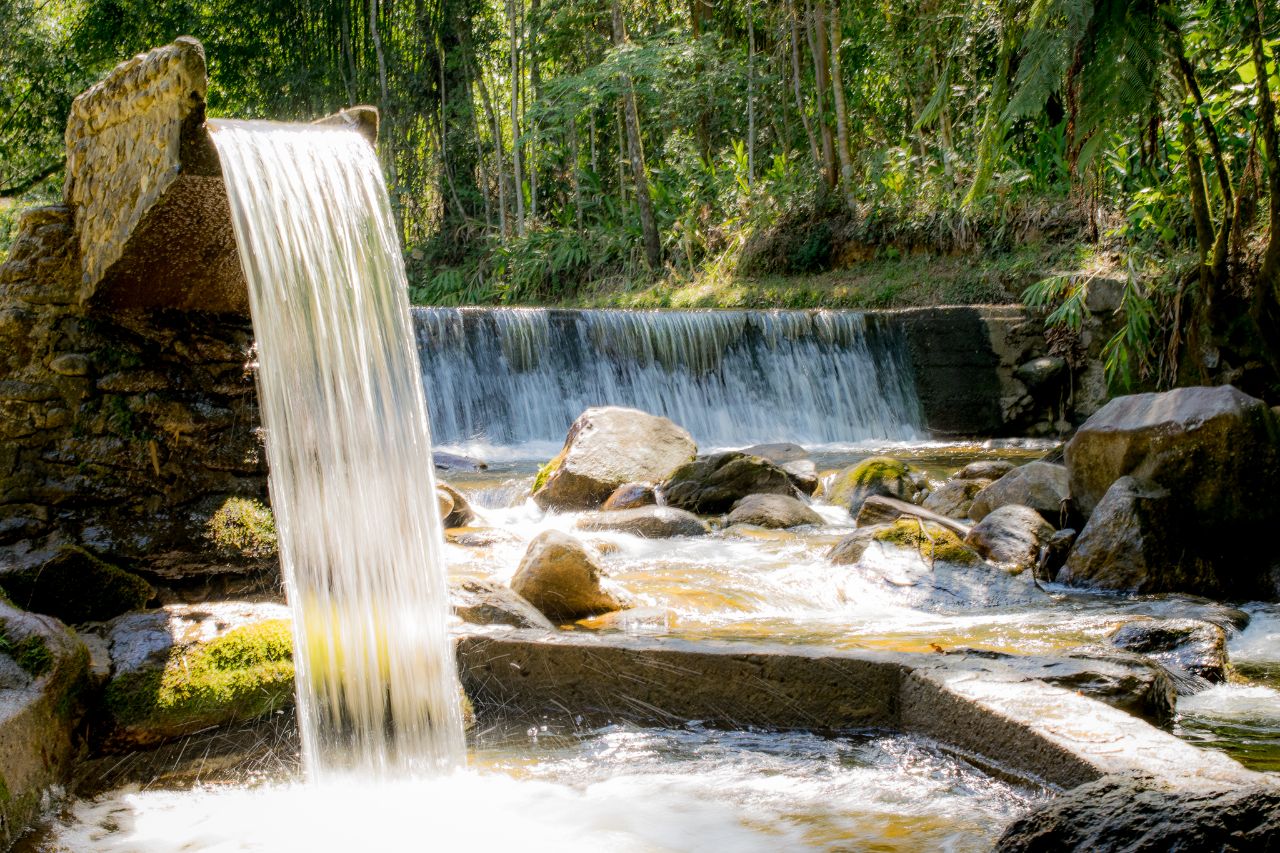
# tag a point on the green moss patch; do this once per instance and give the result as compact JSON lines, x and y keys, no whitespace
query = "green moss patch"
{"x":932,"y":541}
{"x":879,"y":475}
{"x":77,"y":586}
{"x":246,"y":673}
{"x":30,"y":653}
{"x":545,"y":472}
{"x":244,"y":526}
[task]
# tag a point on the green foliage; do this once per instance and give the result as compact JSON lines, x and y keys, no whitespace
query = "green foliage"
{"x":30,"y":653}
{"x":243,"y":526}
{"x":932,"y":541}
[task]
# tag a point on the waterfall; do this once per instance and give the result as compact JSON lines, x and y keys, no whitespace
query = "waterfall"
{"x":513,"y":376}
{"x":348,"y":447}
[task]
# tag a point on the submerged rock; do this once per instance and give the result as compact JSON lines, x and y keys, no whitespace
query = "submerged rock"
{"x":651,"y":522}
{"x":1012,"y":536}
{"x":985,"y":469}
{"x":181,"y":669}
{"x":605,"y":448}
{"x":954,"y":497}
{"x":561,"y":579}
{"x":1195,"y":652}
{"x":485,"y":602}
{"x":456,"y":462}
{"x":1121,"y":813}
{"x":879,"y":475}
{"x":773,"y":511}
{"x":710,"y":485}
{"x":460,"y":513}
{"x":43,"y":677}
{"x":631,"y":496}
{"x":1039,"y":485}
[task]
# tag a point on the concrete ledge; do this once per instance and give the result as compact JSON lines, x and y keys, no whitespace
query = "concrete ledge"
{"x":977,"y":706}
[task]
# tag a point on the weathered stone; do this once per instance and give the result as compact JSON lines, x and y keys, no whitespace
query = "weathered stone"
{"x":710,"y":485}
{"x":43,"y":677}
{"x":180,"y":669}
{"x":1039,"y":485}
{"x":1133,"y":542}
{"x":650,"y":522}
{"x":778,"y":453}
{"x":76,"y":586}
{"x":954,"y":497}
{"x":879,"y":475}
{"x":484,"y":602}
{"x":560,"y":578}
{"x":1129,"y":814}
{"x":460,"y":513}
{"x":849,"y":550}
{"x":631,"y":496}
{"x":985,"y":469}
{"x":456,"y":462}
{"x":1195,"y":652}
{"x":71,"y":364}
{"x":1057,"y":549}
{"x":1040,"y":372}
{"x":1174,"y":439}
{"x":1012,"y":536}
{"x":803,"y":474}
{"x":605,"y":448}
{"x":775,"y":511}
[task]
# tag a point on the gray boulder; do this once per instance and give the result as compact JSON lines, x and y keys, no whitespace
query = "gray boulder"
{"x":1041,"y":372}
{"x":1194,"y":652}
{"x":1121,"y":814}
{"x":561,"y":579}
{"x":631,"y":496}
{"x":710,"y":485}
{"x":954,"y":497}
{"x":985,"y":469}
{"x":1132,"y":542}
{"x":650,"y":522}
{"x":773,"y":511}
{"x":1214,"y":448}
{"x":791,"y":458}
{"x":1012,"y":536}
{"x":484,"y":602}
{"x":605,"y":448}
{"x":1039,"y":485}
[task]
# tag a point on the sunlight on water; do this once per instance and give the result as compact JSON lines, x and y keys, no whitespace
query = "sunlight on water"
{"x":621,"y":789}
{"x":348,"y":446}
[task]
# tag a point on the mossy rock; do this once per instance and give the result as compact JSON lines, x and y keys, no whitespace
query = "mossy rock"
{"x":243,"y":527}
{"x":245,"y":673}
{"x":879,"y":475}
{"x":76,"y":586}
{"x":545,"y":472}
{"x":31,"y":653}
{"x":932,"y":541}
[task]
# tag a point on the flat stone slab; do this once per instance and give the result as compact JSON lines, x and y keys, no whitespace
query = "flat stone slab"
{"x":980,"y":707}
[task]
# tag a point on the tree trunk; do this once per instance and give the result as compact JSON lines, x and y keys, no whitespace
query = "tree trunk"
{"x":991,"y":137}
{"x":535,"y":84}
{"x":383,"y":106}
{"x":814,"y":25}
{"x":496,"y":130}
{"x":1270,"y":271}
{"x":834,"y":26}
{"x":698,"y":12}
{"x":1200,"y":214}
{"x":648,"y":223}
{"x":516,"y":165}
{"x":751,"y":95}
{"x":795,"y":81}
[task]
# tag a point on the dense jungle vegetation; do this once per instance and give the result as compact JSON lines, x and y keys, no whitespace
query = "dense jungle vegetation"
{"x":712,"y":152}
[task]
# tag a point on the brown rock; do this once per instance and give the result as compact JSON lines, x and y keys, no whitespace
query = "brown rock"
{"x":560,"y":578}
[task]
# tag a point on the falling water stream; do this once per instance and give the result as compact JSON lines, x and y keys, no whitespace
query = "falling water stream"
{"x":349,"y":449}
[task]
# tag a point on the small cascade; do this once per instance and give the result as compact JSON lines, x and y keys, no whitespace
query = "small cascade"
{"x":515,"y":376}
{"x":349,"y":450}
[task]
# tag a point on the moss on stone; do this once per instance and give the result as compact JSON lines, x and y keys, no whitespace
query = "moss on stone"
{"x":77,"y":586}
{"x":246,"y":673}
{"x":31,"y":653}
{"x":878,"y":475}
{"x":545,"y":472}
{"x":244,"y":526}
{"x":939,"y":543}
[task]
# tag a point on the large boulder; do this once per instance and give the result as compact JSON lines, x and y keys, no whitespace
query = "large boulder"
{"x":74,"y":585}
{"x":182,"y":669}
{"x":1122,"y":813}
{"x":1217,"y":449}
{"x":43,"y":675}
{"x":710,"y":485}
{"x":791,"y":458}
{"x":773,"y":511}
{"x":880,"y":475}
{"x":954,"y":497}
{"x":1039,"y":485}
{"x":1134,"y":542}
{"x":1012,"y":536}
{"x":649,"y":522}
{"x":605,"y":448}
{"x":485,"y":602}
{"x":561,"y":579}
{"x":1194,"y":651}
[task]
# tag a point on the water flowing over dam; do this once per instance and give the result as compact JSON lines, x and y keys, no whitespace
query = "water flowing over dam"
{"x":515,"y":376}
{"x":349,"y":449}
